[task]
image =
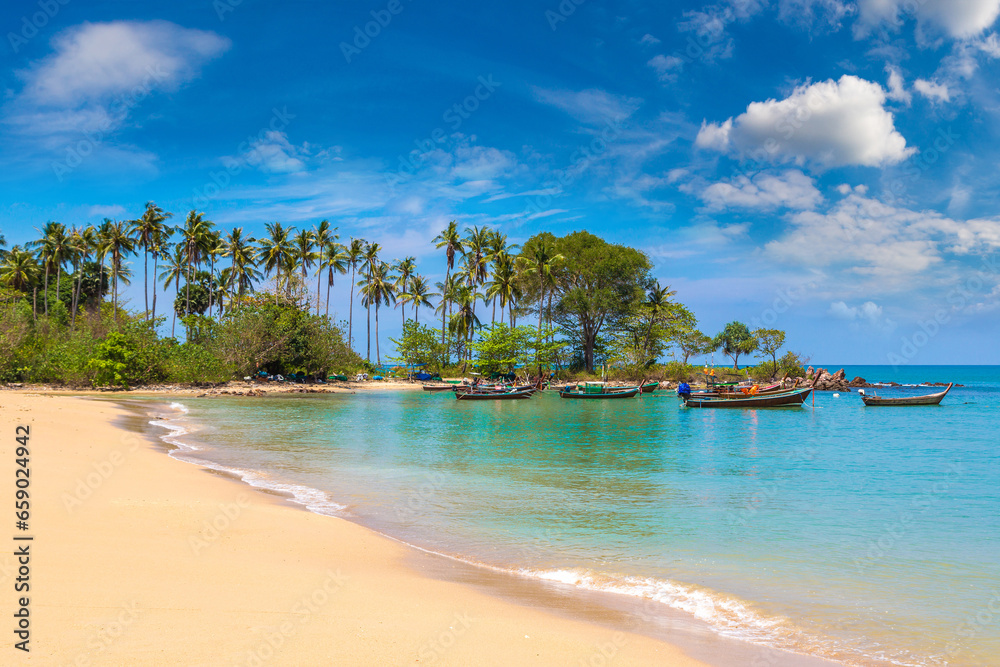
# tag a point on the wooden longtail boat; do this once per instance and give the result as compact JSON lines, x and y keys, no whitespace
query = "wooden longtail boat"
{"x":784,"y":399}
{"x":927,"y":399}
{"x":618,"y":393}
{"x":493,"y":395}
{"x":438,"y":387}
{"x":775,"y":388}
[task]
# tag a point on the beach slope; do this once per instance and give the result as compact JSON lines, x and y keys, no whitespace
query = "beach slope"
{"x":140,"y":559}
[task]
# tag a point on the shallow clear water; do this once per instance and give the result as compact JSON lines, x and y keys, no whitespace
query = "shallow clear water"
{"x":862,"y":534}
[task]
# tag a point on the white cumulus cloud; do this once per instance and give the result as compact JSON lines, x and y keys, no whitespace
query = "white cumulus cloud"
{"x":957,"y":18}
{"x":830,"y":124}
{"x":932,"y":90}
{"x":791,"y":189}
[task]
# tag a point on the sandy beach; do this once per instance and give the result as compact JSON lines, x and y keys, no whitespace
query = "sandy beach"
{"x":141,"y":559}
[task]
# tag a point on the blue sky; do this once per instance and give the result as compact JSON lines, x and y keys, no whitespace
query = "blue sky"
{"x":819,"y":166}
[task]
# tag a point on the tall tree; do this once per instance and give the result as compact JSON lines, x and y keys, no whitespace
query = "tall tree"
{"x":736,"y":339}
{"x":175,"y":269}
{"x":19,"y":270}
{"x":451,"y":241}
{"x":370,"y":257}
{"x":599,"y":284}
{"x":305,"y":256}
{"x":335,"y":260}
{"x":196,"y":241}
{"x":243,"y":265}
{"x":53,"y":250}
{"x":770,"y":341}
{"x":275,"y":251}
{"x":324,"y":236}
{"x":406,"y":268}
{"x":119,"y":245}
{"x":540,"y":260}
{"x":148,"y":229}
{"x":419,"y":295}
{"x":355,"y":252}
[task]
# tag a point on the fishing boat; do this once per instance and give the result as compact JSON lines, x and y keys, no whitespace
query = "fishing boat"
{"x":741,"y":392}
{"x":597,"y":390}
{"x":926,"y":399}
{"x":438,"y":387}
{"x":784,"y":399}
{"x":493,"y":395}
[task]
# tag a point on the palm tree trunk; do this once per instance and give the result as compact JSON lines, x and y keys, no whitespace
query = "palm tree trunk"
{"x":211,"y":282}
{"x":156,"y":270}
{"x":187,"y":287}
{"x":34,"y":303}
{"x":145,"y":276}
{"x":46,"y":289}
{"x":444,"y":295}
{"x":368,"y":356}
{"x":319,"y":275}
{"x":328,"y":286}
{"x":378,"y":355}
{"x":58,"y":282}
{"x":350,"y":315}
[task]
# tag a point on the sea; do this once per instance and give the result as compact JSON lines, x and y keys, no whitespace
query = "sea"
{"x":866,"y":536}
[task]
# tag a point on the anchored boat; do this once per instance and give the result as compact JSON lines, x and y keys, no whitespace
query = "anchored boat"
{"x":927,"y":399}
{"x":791,"y":398}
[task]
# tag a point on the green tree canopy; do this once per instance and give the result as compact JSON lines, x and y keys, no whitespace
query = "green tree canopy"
{"x":734,"y":340}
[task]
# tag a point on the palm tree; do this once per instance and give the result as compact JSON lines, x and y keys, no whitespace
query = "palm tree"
{"x":406,"y":267}
{"x":541,"y":261}
{"x":324,"y":236}
{"x":19,"y":270}
{"x":419,"y":295}
{"x":80,"y":243}
{"x":197,"y":242}
{"x":148,"y":229}
{"x":335,"y":260}
{"x":504,"y":287}
{"x":452,"y":243}
{"x":275,"y":251}
{"x":53,"y":250}
{"x":370,"y":257}
{"x":379,"y":288}
{"x":304,"y":256}
{"x":243,"y":266}
{"x":100,"y":249}
{"x":3,"y":243}
{"x":119,"y":244}
{"x":160,"y":247}
{"x":355,"y":252}
{"x":464,"y":322}
{"x":175,"y":269}
{"x":213,"y":247}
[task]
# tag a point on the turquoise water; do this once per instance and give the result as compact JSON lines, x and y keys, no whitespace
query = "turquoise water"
{"x":867,"y":535}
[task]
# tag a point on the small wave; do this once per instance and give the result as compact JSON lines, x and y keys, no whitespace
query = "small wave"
{"x":312,"y":499}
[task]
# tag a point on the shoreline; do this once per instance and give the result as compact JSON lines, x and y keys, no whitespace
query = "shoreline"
{"x":615,"y":611}
{"x":145,"y":559}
